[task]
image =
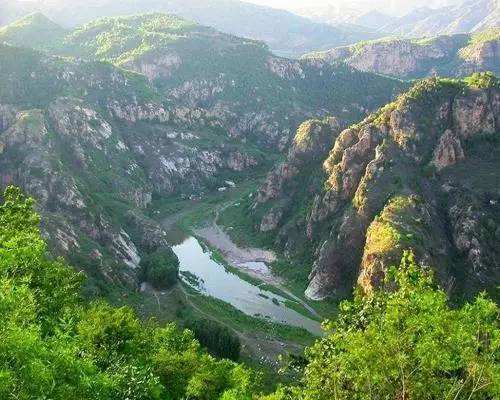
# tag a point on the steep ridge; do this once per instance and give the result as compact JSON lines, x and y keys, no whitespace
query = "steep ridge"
{"x":95,"y":142}
{"x":462,"y":17}
{"x":455,"y":55}
{"x":420,"y":174}
{"x":235,"y":83}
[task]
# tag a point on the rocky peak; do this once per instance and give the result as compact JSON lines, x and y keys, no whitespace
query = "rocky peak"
{"x":382,"y":193}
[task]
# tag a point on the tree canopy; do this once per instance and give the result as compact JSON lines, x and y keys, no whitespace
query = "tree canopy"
{"x":55,"y":346}
{"x":407,"y":343}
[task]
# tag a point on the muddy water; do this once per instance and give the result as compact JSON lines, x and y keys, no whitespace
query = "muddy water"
{"x":199,"y":270}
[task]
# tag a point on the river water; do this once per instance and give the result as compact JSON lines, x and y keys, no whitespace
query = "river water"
{"x":200,"y":271}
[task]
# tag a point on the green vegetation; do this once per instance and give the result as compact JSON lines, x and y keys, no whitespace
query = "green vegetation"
{"x":231,"y":316}
{"x":33,"y":31}
{"x":406,"y":343}
{"x":31,"y":79}
{"x":459,"y":54}
{"x":477,"y":39}
{"x":160,"y":268}
{"x":427,"y":92}
{"x":483,"y":80}
{"x":125,"y":39}
{"x":55,"y":346}
{"x":218,"y":339}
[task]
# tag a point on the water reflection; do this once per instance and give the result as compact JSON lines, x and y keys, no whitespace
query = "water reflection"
{"x":201,"y":272}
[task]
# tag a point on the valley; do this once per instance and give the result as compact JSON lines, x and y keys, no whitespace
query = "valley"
{"x":299,"y":211}
{"x":227,"y":283}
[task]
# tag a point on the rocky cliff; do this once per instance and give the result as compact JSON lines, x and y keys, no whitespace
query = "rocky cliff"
{"x":455,"y":55}
{"x":421,"y":174}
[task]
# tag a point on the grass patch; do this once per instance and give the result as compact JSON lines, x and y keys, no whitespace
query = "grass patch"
{"x":245,"y":323}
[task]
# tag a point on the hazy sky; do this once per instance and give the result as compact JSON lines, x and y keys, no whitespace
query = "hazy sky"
{"x":290,"y":3}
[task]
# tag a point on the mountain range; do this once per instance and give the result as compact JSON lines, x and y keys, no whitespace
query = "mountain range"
{"x":447,"y":55}
{"x":104,"y":122}
{"x":286,"y":33}
{"x":181,"y":207}
{"x":413,"y":19}
{"x":466,"y":16}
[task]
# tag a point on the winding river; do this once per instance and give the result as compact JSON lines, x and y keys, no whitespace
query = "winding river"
{"x":199,"y":270}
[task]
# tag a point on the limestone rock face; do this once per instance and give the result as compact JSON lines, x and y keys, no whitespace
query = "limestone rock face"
{"x":475,"y":114}
{"x":449,"y":151}
{"x":475,"y":227}
{"x":482,"y":56}
{"x":400,"y":58}
{"x":271,"y":220}
{"x":447,"y":55}
{"x":376,"y":195}
{"x":285,"y":69}
{"x":310,"y":146}
{"x":160,"y":67}
{"x":98,"y":134}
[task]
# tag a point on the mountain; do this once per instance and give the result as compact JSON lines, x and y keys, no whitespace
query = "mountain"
{"x":355,"y":11}
{"x":374,"y":19}
{"x":411,"y":19}
{"x":286,"y":33}
{"x":466,"y":16}
{"x":455,"y":55}
{"x":130,"y":110}
{"x":419,"y":174}
{"x":34,"y":30}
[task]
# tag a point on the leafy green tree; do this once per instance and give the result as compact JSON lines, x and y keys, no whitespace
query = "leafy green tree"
{"x":23,"y":257}
{"x":483,"y":80}
{"x":55,"y":346}
{"x":218,"y":339}
{"x":406,"y":344}
{"x":160,"y":268}
{"x":107,"y":334}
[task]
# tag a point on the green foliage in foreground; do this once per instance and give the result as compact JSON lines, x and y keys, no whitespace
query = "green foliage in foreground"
{"x":484,"y":80}
{"x":53,"y":346}
{"x":406,"y":344}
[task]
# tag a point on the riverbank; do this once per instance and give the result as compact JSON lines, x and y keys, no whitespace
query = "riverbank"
{"x":252,"y":261}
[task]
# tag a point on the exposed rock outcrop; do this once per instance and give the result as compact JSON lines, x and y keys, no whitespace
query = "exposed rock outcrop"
{"x":386,"y":189}
{"x":453,"y":55}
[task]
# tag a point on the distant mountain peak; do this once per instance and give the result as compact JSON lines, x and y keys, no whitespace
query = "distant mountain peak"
{"x":34,"y":30}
